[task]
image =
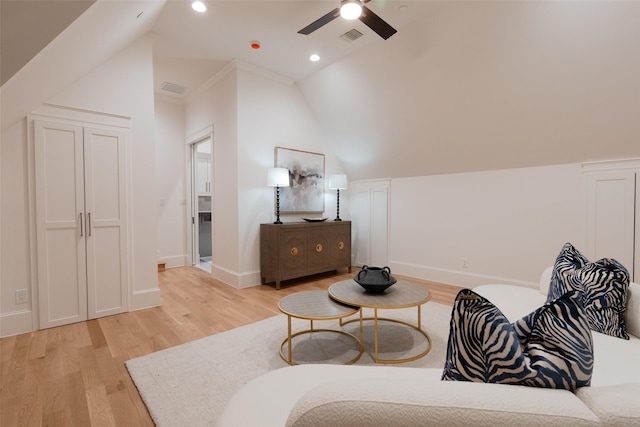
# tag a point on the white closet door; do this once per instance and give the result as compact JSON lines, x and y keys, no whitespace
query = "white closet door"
{"x":362,"y":225}
{"x":371,"y":223}
{"x":105,"y":197}
{"x":61,"y":233}
{"x":380,"y":225}
{"x":611,"y":216}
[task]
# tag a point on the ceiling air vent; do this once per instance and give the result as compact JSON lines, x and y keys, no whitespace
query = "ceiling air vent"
{"x":172,"y":87}
{"x":351,"y":35}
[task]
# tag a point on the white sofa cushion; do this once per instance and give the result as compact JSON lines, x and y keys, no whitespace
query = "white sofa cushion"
{"x":632,"y":315}
{"x":545,"y":280}
{"x":514,"y":302}
{"x":617,"y":405}
{"x":615,"y":360}
{"x":406,"y":402}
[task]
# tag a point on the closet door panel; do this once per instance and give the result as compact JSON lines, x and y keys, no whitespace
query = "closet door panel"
{"x":65,"y":292}
{"x":60,"y":230}
{"x":611,"y":216}
{"x":379,"y":225}
{"x":104,"y":153}
{"x":107,"y":296}
{"x":362,"y":220}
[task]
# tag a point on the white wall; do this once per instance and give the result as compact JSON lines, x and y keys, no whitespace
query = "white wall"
{"x":272,"y":113}
{"x":510,"y":224}
{"x":123,"y":86}
{"x":15,"y":244}
{"x":172,"y":182}
{"x":215,"y":104}
{"x":252,"y":111}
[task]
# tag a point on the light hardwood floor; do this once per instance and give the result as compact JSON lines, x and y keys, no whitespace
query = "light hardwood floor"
{"x":75,"y":375}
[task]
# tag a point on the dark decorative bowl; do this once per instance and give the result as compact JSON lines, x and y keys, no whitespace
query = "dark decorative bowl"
{"x":375,"y":279}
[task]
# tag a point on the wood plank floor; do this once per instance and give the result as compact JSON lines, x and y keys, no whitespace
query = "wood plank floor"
{"x":75,"y":375}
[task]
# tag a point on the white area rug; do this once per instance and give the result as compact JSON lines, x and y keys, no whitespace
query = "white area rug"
{"x":189,"y":385}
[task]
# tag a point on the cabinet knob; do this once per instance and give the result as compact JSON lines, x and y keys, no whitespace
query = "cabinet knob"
{"x":294,"y":251}
{"x":319,"y":247}
{"x":340,"y":245}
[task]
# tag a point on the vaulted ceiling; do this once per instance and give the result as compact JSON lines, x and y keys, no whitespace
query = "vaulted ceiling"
{"x":463,"y":85}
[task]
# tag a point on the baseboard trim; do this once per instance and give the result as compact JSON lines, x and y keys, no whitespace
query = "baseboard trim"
{"x":174,"y":261}
{"x":16,"y":323}
{"x":453,"y":277}
{"x":146,"y":298}
{"x":234,"y":279}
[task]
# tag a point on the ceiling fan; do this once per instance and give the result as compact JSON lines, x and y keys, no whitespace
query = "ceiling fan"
{"x":353,"y":9}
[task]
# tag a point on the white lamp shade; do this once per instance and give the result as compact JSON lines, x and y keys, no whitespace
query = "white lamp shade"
{"x":278,"y":177}
{"x":351,"y":9}
{"x":338,"y":182}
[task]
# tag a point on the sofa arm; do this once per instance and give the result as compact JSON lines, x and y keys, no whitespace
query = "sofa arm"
{"x":386,"y":402}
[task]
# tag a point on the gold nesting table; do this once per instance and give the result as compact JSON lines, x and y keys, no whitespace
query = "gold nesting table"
{"x":402,"y":294}
{"x":312,"y":306}
{"x":347,"y":298}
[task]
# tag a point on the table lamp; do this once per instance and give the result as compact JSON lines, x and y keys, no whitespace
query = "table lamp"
{"x":338,"y":182}
{"x":278,"y":177}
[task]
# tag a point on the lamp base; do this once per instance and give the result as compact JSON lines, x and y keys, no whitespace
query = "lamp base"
{"x":277,"y":222}
{"x":337,"y":219}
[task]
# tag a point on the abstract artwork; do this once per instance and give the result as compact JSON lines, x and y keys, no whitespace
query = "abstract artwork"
{"x":305,"y":193}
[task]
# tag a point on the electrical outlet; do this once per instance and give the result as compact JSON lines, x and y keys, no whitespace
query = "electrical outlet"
{"x":22,"y":295}
{"x":465,"y":262}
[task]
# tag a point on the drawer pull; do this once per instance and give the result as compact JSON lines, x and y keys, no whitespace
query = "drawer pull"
{"x":294,"y":251}
{"x":319,"y":247}
{"x":340,"y":245}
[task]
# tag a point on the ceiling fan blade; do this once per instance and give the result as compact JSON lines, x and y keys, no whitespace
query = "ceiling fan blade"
{"x":376,"y":23}
{"x":320,"y":22}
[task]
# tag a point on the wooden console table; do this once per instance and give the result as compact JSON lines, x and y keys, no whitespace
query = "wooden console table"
{"x":292,"y":250}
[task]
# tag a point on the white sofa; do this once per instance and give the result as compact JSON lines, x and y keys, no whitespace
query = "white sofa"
{"x":337,"y":395}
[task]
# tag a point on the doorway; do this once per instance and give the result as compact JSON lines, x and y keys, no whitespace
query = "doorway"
{"x":201,"y":199}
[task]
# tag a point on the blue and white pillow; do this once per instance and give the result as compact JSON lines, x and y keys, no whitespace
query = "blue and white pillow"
{"x":563,"y":279}
{"x":551,"y":347}
{"x":603,"y":285}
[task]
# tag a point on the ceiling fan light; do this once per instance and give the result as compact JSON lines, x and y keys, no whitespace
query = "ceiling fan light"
{"x":351,"y":9}
{"x":198,"y":6}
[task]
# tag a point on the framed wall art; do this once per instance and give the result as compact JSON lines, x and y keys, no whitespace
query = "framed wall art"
{"x":305,"y":193}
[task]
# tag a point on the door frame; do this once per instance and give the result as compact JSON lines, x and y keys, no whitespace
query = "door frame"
{"x":191,"y":224}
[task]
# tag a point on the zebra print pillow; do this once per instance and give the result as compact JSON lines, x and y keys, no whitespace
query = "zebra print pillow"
{"x":604,"y":295}
{"x":603,"y":284}
{"x":550,"y":347}
{"x":563,"y":277}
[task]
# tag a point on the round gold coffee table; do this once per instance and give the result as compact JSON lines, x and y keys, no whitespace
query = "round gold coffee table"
{"x":402,"y":294}
{"x":316,"y":305}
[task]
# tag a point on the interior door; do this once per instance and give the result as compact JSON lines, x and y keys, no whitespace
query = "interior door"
{"x":106,"y":225}
{"x":60,"y":223}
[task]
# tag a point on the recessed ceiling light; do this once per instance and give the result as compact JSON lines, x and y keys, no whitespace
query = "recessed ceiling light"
{"x":403,"y":8}
{"x":198,"y":6}
{"x":314,"y":58}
